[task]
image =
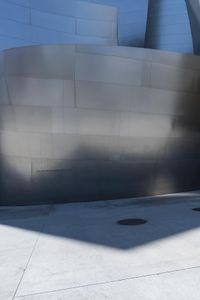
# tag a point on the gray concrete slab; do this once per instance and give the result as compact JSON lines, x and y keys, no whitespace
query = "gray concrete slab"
{"x":78,"y":251}
{"x":13,"y":263}
{"x":19,"y":232}
{"x":173,"y":285}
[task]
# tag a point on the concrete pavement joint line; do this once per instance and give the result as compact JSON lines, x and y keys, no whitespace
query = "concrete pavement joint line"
{"x":107,"y":282}
{"x":34,"y":247}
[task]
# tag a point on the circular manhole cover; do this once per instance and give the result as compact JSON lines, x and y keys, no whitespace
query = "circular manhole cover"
{"x":132,"y":222}
{"x":196,"y":209}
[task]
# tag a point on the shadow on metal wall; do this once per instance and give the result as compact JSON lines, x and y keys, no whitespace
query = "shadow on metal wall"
{"x":178,"y":167}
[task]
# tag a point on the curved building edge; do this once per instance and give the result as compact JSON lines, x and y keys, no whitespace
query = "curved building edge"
{"x":97,"y":122}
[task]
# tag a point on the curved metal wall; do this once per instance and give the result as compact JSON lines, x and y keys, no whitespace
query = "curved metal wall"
{"x":168,"y":26}
{"x":132,"y":17}
{"x":93,"y":122}
{"x":24,"y":22}
{"x":56,"y":22}
{"x":194,"y":16}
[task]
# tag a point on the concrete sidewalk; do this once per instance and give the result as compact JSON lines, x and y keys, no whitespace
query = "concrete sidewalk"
{"x":78,"y":251}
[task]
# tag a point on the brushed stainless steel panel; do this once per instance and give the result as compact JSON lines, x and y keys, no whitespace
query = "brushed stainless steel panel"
{"x":15,"y":29}
{"x":46,"y":36}
{"x":80,"y":147}
{"x":7,"y":42}
{"x":182,"y":148}
{"x":26,"y":144}
{"x":14,"y":12}
{"x":25,"y":3}
{"x":95,"y":28}
{"x":68,"y":93}
{"x":38,"y":91}
{"x":91,"y":122}
{"x":54,"y":22}
{"x":168,"y":26}
{"x":53,"y":172}
{"x":21,"y":144}
{"x":94,"y":11}
{"x":193,"y":7}
{"x":175,"y":59}
{"x":156,"y":101}
{"x":22,"y":173}
{"x":146,"y":125}
{"x":142,"y":148}
{"x":132,"y":16}
{"x":127,"y":171}
{"x":25,"y":118}
{"x":3,"y":92}
{"x":187,"y":125}
{"x":93,"y":133}
{"x":125,"y":52}
{"x":40,"y":61}
{"x":172,"y":175}
{"x":170,"y":78}
{"x":197,"y":81}
{"x":60,"y":7}
{"x":108,"y":69}
{"x":1,"y":63}
{"x":85,"y":39}
{"x":98,"y":95}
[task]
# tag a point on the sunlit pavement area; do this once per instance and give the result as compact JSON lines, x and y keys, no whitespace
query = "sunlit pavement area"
{"x":79,"y":251}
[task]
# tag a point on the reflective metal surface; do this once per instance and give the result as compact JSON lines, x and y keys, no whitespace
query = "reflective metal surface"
{"x":56,"y":22}
{"x":162,"y":24}
{"x":194,"y":16}
{"x":24,"y":22}
{"x":97,"y":123}
{"x":132,"y":18}
{"x":168,"y":26}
